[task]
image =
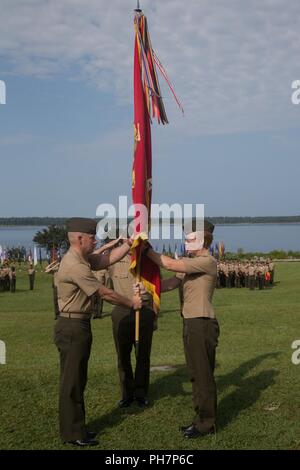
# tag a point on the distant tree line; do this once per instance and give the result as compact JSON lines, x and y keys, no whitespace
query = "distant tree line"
{"x":256,"y":220}
{"x":274,"y":254}
{"x":16,"y":253}
{"x":34,"y":221}
{"x":60,"y":221}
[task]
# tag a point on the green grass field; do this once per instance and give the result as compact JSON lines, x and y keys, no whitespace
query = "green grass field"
{"x":258,"y":386}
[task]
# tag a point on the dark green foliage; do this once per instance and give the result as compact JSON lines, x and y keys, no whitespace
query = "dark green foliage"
{"x":32,"y":221}
{"x":52,"y":237}
{"x":274,"y":254}
{"x":16,"y":253}
{"x":39,"y":221}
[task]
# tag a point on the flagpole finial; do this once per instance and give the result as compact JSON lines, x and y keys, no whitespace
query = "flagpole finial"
{"x":138,"y":6}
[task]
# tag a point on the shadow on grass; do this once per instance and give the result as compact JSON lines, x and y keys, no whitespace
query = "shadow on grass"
{"x":248,"y":389}
{"x":169,"y":385}
{"x":113,"y":418}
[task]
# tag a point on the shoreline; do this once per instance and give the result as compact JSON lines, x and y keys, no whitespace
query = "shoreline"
{"x":231,"y":224}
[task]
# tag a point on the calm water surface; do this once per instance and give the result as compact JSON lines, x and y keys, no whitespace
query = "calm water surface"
{"x":254,"y":237}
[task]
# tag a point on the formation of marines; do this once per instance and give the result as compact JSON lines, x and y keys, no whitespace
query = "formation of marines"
{"x":250,"y":274}
{"x":8,"y":277}
{"x":5,"y":275}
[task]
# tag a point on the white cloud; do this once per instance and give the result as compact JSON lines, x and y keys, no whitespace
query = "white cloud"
{"x":232,"y":63}
{"x":113,"y":146}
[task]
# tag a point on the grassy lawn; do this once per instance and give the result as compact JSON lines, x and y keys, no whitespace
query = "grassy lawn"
{"x":258,"y":386}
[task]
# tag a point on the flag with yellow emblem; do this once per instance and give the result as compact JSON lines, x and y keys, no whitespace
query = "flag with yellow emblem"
{"x":148,"y":104}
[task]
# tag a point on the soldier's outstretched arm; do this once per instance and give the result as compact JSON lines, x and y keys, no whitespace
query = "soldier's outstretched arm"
{"x":116,"y":299}
{"x":118,"y":253}
{"x":170,"y":284}
{"x":107,"y":246}
{"x":163,"y":261}
{"x":102,"y":261}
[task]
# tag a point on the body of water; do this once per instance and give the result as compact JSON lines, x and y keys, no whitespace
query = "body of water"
{"x":252,"y":237}
{"x":259,"y":237}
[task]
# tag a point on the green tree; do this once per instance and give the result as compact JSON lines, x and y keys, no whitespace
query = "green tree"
{"x":52,"y":237}
{"x":16,"y":253}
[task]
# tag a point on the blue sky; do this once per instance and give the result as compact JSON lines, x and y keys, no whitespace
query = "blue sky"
{"x":66,"y":129}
